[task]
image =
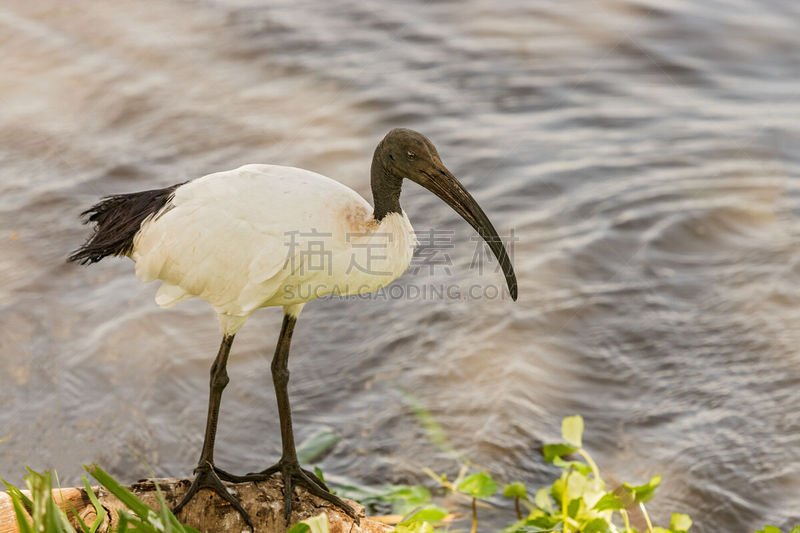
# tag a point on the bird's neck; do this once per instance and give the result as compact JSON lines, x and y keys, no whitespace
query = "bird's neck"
{"x":385,"y":188}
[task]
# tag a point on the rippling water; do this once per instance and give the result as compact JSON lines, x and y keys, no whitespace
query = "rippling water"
{"x":646,"y":154}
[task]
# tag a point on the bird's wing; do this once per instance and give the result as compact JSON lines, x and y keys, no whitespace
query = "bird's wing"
{"x":206,"y":252}
{"x":224,"y":237}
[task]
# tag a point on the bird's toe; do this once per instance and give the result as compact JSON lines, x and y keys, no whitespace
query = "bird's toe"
{"x":207,"y":478}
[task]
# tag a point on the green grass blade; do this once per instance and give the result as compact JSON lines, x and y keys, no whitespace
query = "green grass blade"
{"x":58,"y":518}
{"x":81,"y":523}
{"x":98,"y":508}
{"x":24,"y":500}
{"x":127,"y":498}
{"x":16,"y":502}
{"x":122,"y":523}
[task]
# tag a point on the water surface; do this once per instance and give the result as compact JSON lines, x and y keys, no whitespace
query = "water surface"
{"x":646,"y":155}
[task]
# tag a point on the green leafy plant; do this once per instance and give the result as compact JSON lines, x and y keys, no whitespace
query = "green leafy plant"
{"x":139,"y":517}
{"x":579,"y":501}
{"x":518,"y":493}
{"x":479,"y":486}
{"x":473,"y":487}
{"x":40,"y":514}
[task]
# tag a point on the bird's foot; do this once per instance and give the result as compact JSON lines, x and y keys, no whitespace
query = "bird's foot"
{"x":293,"y":475}
{"x":266,"y":474}
{"x":206,"y":478}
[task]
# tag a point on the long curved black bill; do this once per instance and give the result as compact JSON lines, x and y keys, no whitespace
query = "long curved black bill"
{"x":449,"y":189}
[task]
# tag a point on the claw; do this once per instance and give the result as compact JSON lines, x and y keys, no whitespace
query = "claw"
{"x":315,"y":479}
{"x":316,"y":487}
{"x":206,"y":478}
{"x":292,"y":475}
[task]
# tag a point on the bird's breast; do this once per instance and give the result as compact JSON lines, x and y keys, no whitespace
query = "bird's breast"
{"x":362,"y":257}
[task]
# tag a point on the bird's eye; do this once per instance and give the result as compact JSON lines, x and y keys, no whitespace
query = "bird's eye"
{"x":411,"y":155}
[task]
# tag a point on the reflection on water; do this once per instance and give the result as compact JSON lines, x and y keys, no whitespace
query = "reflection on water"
{"x":645,"y":153}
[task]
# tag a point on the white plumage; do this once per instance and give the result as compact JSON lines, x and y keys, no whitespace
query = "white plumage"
{"x":268,"y":235}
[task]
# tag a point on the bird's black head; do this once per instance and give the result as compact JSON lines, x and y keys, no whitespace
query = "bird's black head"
{"x":408,"y":154}
{"x":404,"y":153}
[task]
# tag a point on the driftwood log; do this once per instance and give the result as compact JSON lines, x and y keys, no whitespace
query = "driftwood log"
{"x":207,"y":512}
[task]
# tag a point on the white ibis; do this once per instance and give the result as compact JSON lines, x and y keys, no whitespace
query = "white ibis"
{"x":223,"y":238}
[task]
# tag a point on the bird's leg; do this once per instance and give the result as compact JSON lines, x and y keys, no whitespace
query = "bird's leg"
{"x":289,"y":466}
{"x":205,"y":475}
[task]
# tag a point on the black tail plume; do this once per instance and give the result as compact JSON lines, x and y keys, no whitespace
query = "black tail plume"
{"x":117,"y":219}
